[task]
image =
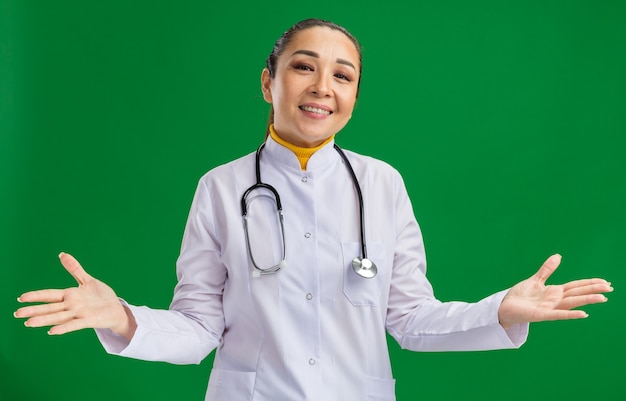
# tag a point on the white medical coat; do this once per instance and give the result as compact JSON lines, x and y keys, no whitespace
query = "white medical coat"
{"x":314,"y":330}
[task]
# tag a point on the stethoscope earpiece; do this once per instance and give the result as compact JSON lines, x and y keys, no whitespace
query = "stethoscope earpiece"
{"x":258,"y":272}
{"x":364,"y":267}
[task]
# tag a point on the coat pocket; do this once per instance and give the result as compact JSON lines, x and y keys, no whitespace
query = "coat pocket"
{"x":362,"y":291}
{"x":230,"y":385}
{"x":381,"y":389}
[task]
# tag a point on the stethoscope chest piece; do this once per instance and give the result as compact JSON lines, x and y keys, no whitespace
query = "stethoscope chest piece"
{"x":364,"y":267}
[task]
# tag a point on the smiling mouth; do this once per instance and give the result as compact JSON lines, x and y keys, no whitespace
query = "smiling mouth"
{"x":315,"y":110}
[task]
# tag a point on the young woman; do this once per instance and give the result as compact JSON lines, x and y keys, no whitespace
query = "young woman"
{"x":298,"y":296}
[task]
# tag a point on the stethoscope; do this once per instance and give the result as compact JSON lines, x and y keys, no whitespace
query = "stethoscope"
{"x":362,"y":266}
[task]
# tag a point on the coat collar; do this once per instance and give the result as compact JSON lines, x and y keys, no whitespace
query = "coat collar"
{"x":322,"y":159}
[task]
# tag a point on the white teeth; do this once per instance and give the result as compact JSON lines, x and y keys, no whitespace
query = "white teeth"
{"x":314,"y":110}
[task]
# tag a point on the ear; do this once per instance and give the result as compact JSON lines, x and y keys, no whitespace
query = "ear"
{"x":266,"y":82}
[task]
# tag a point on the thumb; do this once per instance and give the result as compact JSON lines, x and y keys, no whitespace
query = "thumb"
{"x":548,"y":267}
{"x":74,"y":268}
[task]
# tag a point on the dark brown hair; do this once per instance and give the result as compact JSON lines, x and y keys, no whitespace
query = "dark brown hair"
{"x":286,"y":39}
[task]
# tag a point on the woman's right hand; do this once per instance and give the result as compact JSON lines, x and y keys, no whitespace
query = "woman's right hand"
{"x":92,"y":304}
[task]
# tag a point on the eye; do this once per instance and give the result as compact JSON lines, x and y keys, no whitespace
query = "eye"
{"x":343,"y":77}
{"x":302,"y":67}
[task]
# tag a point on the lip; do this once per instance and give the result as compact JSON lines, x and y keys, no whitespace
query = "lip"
{"x":313,"y":115}
{"x":318,"y":106}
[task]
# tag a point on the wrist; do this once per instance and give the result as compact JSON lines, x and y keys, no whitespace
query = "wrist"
{"x":127,"y":325}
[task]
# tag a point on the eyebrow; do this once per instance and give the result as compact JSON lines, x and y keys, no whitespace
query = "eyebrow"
{"x":316,"y":55}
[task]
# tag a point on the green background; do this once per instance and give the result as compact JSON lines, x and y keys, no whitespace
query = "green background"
{"x":506,"y":119}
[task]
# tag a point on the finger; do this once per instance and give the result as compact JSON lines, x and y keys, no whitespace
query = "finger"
{"x":582,"y":300}
{"x":50,"y":320}
{"x":39,"y":310}
{"x":72,"y":325}
{"x":560,"y":315}
{"x":547,"y":268}
{"x":42,"y":296}
{"x":74,"y":268}
{"x":585,"y":287}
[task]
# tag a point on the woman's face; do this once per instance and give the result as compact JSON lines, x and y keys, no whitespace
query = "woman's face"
{"x":314,"y":87}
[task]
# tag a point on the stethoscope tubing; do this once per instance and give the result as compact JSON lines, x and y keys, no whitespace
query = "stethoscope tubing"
{"x":355,"y":181}
{"x":259,"y":184}
{"x":357,"y":263}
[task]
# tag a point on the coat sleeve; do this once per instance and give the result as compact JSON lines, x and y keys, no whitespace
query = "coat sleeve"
{"x":420,"y":322}
{"x":193,"y":326}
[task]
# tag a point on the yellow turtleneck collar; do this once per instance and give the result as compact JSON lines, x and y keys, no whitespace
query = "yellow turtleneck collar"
{"x":303,"y":154}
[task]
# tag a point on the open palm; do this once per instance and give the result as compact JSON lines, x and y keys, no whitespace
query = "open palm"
{"x":92,"y":304}
{"x":533,"y":301}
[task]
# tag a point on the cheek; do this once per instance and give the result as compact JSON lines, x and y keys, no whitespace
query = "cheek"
{"x":348,"y":102}
{"x":279,"y":93}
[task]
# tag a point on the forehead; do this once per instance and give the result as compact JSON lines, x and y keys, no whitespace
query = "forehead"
{"x":325,"y":41}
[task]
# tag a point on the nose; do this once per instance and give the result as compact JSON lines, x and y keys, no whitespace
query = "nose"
{"x":321,"y":85}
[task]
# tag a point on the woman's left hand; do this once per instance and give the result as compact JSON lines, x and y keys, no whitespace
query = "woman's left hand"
{"x":533,"y":301}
